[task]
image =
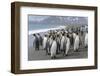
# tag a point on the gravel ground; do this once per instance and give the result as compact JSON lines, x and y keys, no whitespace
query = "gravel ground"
{"x":41,"y":54}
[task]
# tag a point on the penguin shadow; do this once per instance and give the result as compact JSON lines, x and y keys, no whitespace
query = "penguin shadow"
{"x":62,"y":56}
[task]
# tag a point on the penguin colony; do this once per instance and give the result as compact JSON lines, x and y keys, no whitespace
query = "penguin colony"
{"x":60,"y":41}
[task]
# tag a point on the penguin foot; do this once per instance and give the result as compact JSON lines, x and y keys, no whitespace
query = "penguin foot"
{"x":53,"y":57}
{"x":66,"y":54}
{"x":77,"y":50}
{"x":49,"y":54}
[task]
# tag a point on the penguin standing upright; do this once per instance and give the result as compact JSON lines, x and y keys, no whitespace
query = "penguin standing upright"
{"x":67,"y":44}
{"x":50,"y":43}
{"x":58,"y":44}
{"x":62,"y":42}
{"x":53,"y":48}
{"x":76,"y":43}
{"x":74,"y":36}
{"x":40,"y":39}
{"x":71,"y":40}
{"x":44,"y":42}
{"x":34,"y":40}
{"x":86,"y":40}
